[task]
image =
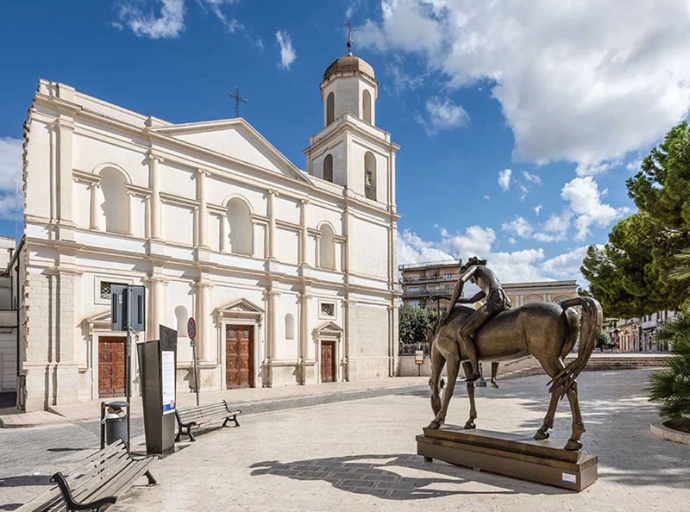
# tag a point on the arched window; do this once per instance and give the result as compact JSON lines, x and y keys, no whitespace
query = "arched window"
{"x":328,"y":168}
{"x":289,"y":327}
{"x":327,"y":248}
{"x":366,"y":106}
{"x":115,"y":205}
{"x":240,"y":223}
{"x":330,"y":108}
{"x":181,"y":318}
{"x":370,"y":175}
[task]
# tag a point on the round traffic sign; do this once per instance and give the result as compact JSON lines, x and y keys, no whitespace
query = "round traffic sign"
{"x":191,"y":328}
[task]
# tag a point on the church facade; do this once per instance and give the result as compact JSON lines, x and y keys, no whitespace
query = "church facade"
{"x":290,"y":275}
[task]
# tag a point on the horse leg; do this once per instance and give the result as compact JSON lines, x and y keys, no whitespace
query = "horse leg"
{"x":467,"y":368}
{"x":543,"y":432}
{"x":551,"y":370}
{"x":453,"y":365}
{"x":574,"y":443}
{"x":435,"y":382}
{"x":494,"y":373}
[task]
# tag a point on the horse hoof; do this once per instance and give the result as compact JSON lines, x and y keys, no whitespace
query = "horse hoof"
{"x":494,"y":385}
{"x":470,"y":425}
{"x":540,"y":436}
{"x":573,"y":446}
{"x":434,"y":425}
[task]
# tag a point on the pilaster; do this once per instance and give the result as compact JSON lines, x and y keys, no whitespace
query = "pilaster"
{"x":155,"y":202}
{"x":271,"y":224}
{"x":202,"y":211}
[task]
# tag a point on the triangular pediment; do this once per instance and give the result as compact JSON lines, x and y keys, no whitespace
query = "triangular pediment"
{"x":328,"y":327}
{"x":240,"y":306}
{"x":235,"y":139}
{"x":99,"y":318}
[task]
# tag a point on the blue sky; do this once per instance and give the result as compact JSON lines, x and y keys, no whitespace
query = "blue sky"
{"x":467,"y":89}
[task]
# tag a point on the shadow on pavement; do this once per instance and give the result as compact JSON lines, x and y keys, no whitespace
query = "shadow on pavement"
{"x":383,"y":476}
{"x":24,"y":480}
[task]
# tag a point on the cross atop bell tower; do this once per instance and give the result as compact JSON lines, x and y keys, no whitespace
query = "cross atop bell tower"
{"x":350,"y":30}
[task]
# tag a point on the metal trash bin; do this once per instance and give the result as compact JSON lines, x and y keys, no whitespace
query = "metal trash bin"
{"x":113,"y":422}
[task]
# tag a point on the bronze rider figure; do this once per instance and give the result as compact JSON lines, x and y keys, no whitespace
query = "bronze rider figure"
{"x":476,"y":272}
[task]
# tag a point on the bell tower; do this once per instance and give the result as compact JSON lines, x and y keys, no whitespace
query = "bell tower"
{"x":350,"y":150}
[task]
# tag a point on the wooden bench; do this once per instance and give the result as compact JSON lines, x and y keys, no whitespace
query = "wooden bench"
{"x":95,"y":484}
{"x":203,"y":415}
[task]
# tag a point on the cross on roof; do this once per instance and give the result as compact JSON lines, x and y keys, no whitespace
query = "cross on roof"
{"x":350,"y":30}
{"x":238,"y":99}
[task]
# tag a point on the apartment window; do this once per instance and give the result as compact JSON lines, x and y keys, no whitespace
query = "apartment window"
{"x":449,"y":276}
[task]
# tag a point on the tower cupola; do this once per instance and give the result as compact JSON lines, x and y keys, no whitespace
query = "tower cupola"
{"x":349,"y":85}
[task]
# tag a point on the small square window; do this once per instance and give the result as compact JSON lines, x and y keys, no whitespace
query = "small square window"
{"x":327,"y":309}
{"x":106,"y":288}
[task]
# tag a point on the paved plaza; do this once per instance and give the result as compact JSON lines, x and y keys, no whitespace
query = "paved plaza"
{"x":359,"y":455}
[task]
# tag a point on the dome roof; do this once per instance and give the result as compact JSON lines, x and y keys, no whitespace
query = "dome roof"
{"x":349,"y":64}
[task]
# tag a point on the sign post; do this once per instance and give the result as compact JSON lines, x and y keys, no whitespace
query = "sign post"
{"x":419,"y":361}
{"x":127,"y":313}
{"x":191,"y":332}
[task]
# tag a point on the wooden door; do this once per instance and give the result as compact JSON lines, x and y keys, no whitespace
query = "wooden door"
{"x":327,"y":361}
{"x":239,"y":360}
{"x":112,"y":351}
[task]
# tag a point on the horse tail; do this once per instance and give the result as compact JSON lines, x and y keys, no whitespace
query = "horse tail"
{"x":592,"y":320}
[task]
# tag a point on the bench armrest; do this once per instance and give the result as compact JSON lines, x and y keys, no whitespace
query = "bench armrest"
{"x":59,"y":479}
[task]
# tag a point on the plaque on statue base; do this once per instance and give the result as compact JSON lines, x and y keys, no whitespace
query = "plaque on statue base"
{"x":513,"y":455}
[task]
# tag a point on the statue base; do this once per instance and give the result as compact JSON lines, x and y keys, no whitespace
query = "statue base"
{"x":516,"y":456}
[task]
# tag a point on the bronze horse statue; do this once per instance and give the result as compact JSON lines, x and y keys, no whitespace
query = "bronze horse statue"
{"x":547,"y":331}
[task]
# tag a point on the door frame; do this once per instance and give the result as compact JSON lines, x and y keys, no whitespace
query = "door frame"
{"x":334,"y":362}
{"x":252,"y":353}
{"x":330,"y":331}
{"x":240,"y":312}
{"x":97,"y":355}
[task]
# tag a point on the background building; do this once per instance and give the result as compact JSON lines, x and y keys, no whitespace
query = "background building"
{"x":639,"y":334}
{"x":430,"y":285}
{"x":8,"y":321}
{"x":291,"y":276}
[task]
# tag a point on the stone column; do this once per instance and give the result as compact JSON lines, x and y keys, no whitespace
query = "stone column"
{"x":95,"y":189}
{"x":271,"y":224}
{"x":304,"y":334}
{"x":348,"y":239}
{"x":224,"y":230}
{"x":317,"y":252}
{"x":156,"y":305}
{"x":202,"y":212}
{"x":202,"y":315}
{"x":130,"y":204}
{"x":154,"y":184}
{"x":304,"y":235}
{"x":64,"y":127}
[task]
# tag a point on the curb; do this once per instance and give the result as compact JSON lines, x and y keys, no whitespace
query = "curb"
{"x":669,"y":434}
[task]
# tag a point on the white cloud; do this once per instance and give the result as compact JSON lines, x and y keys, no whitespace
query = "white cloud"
{"x":166,"y":22}
{"x":515,"y":266}
{"x":443,"y":115}
{"x":215,"y":7}
{"x":287,"y":52}
{"x":537,"y":209}
{"x":10,"y":178}
{"x":595,"y":169}
{"x":412,"y":249}
{"x":614,"y":90}
{"x":518,"y":226}
{"x":531,"y":178}
{"x":504,"y":178}
{"x":566,"y":265}
{"x":487,"y":197}
{"x":585,"y":201}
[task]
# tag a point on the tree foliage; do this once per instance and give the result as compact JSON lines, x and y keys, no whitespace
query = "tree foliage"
{"x":632,"y":274}
{"x":671,"y":387}
{"x":604,"y":341}
{"x":416,"y":324}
